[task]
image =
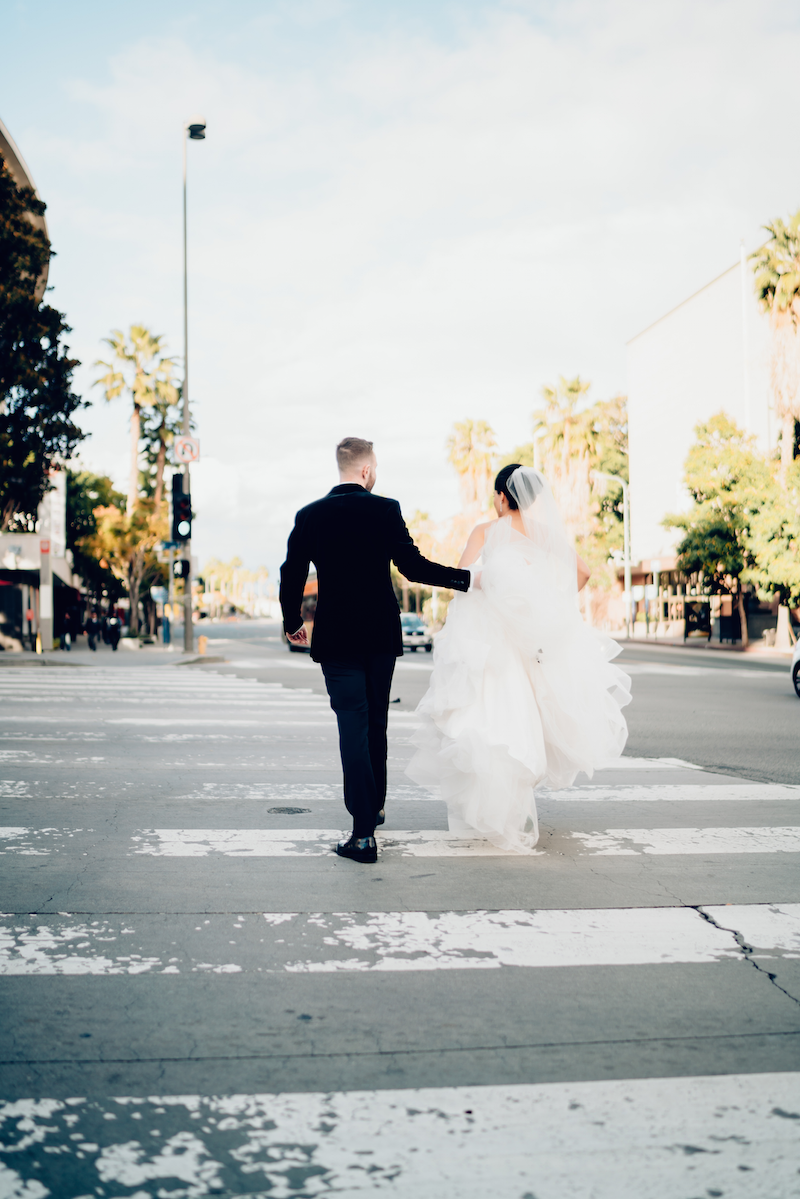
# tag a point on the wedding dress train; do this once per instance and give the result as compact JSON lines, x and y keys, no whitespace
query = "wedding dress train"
{"x":523,"y":693}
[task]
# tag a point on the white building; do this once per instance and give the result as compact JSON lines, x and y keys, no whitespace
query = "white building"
{"x":708,"y":354}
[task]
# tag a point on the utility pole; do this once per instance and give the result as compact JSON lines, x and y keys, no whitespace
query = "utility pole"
{"x":193,"y":130}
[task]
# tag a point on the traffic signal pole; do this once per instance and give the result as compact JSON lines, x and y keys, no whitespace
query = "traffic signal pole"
{"x":193,"y":130}
{"x":188,"y":627}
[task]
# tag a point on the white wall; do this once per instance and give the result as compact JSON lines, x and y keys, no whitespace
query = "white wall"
{"x":683,"y":369}
{"x":53,"y":514}
{"x":21,"y":551}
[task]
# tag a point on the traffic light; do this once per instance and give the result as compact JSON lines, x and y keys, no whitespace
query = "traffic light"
{"x":181,"y":511}
{"x":180,"y":568}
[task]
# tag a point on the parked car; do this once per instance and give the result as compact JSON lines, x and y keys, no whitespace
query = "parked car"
{"x":796,"y":668}
{"x":416,"y":634}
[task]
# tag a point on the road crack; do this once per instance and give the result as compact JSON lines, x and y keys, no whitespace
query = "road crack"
{"x":747,"y":952}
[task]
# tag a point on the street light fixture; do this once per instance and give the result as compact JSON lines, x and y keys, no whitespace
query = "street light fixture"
{"x":193,"y":130}
{"x":626,"y":526}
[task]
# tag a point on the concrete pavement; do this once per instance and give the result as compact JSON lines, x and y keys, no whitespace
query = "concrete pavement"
{"x":239,"y":1012}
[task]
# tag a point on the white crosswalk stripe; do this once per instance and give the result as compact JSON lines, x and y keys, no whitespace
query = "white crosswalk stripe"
{"x":320,"y":942}
{"x":733,"y":1135}
{"x":427,"y":843}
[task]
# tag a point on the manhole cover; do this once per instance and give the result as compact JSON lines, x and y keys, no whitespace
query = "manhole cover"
{"x":287,"y":811}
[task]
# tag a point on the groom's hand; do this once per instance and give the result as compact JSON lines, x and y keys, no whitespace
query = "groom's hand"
{"x":300,"y":637}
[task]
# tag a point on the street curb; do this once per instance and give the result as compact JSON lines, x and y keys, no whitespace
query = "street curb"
{"x":23,"y":659}
{"x":199,"y":661}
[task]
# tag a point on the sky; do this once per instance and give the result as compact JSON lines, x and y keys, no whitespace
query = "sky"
{"x":405,"y":213}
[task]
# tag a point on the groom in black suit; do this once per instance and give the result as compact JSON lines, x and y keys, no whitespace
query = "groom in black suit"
{"x":351,"y":536}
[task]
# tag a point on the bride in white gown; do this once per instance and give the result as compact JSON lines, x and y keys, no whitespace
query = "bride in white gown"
{"x":523,"y":693}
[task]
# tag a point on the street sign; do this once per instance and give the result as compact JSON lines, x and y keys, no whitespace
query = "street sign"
{"x":187,"y":449}
{"x":44,"y":546}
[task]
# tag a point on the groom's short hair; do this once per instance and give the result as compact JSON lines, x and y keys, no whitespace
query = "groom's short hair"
{"x":352,"y":452}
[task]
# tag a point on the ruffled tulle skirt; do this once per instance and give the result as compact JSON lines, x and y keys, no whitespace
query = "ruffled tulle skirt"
{"x":523,"y":695}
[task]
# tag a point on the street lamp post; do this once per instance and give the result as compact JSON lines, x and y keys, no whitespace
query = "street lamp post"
{"x":193,"y":130}
{"x":626,"y":527}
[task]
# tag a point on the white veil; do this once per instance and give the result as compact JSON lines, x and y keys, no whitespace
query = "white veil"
{"x":545,"y":528}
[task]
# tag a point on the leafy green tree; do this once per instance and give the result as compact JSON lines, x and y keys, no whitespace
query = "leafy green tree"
{"x":125,"y":543}
{"x":141,"y":367}
{"x":730,"y":483}
{"x":37,"y":404}
{"x":777,"y":284}
{"x":575,"y":439}
{"x":87,"y":491}
{"x":608,"y":454}
{"x":773,"y":541}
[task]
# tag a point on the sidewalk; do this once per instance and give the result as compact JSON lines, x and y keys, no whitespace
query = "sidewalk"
{"x":82,"y":656}
{"x":712,"y":649}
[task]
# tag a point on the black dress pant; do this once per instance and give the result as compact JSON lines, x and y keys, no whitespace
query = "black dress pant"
{"x":359,"y":695}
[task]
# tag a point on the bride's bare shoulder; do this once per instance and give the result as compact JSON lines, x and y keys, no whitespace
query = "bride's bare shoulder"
{"x":475,"y":543}
{"x":478,"y":534}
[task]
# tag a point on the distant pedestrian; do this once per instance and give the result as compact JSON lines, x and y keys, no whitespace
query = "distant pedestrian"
{"x":66,"y":636}
{"x":93,"y":631}
{"x":113,"y":631}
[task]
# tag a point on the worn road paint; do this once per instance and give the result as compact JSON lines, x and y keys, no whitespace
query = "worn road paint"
{"x":324,"y":942}
{"x":303,"y":842}
{"x":736,"y":1136}
{"x":37,"y":842}
{"x":675,"y":793}
{"x":425,"y":843}
{"x":624,"y":842}
{"x":770,"y":930}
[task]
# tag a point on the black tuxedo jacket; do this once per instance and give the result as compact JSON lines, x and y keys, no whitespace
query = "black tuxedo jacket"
{"x":351,"y":536}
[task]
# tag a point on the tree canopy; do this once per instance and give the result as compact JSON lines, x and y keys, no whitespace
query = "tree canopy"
{"x":743,"y":525}
{"x":141,"y":367}
{"x":471,"y":450}
{"x":37,"y":404}
{"x":87,"y":492}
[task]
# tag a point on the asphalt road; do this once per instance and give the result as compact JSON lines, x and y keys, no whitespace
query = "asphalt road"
{"x":199,"y":998}
{"x":730,"y":712}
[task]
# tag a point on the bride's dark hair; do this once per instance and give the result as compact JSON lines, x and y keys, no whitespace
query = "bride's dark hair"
{"x":501,"y":484}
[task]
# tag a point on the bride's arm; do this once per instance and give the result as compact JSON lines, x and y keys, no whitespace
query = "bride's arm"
{"x":584,"y":574}
{"x":472,"y":550}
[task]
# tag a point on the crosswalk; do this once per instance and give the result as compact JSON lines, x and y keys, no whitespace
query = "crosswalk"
{"x":245,"y":1014}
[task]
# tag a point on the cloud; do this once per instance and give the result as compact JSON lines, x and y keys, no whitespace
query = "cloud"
{"x":402,"y":227}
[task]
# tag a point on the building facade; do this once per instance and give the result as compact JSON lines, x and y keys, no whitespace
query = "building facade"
{"x":37,"y":585}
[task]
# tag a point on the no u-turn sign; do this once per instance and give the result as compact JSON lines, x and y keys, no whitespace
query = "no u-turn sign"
{"x":187,"y":449}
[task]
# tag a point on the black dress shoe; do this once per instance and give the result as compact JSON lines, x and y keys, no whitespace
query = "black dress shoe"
{"x":359,"y":849}
{"x":380,"y":818}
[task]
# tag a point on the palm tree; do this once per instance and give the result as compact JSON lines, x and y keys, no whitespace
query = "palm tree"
{"x":140,"y":367}
{"x":567,"y":448}
{"x":159,"y":432}
{"x":777,"y":284}
{"x":471,"y":450}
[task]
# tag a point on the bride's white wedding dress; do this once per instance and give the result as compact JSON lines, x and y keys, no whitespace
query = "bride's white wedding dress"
{"x":523,"y":693}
